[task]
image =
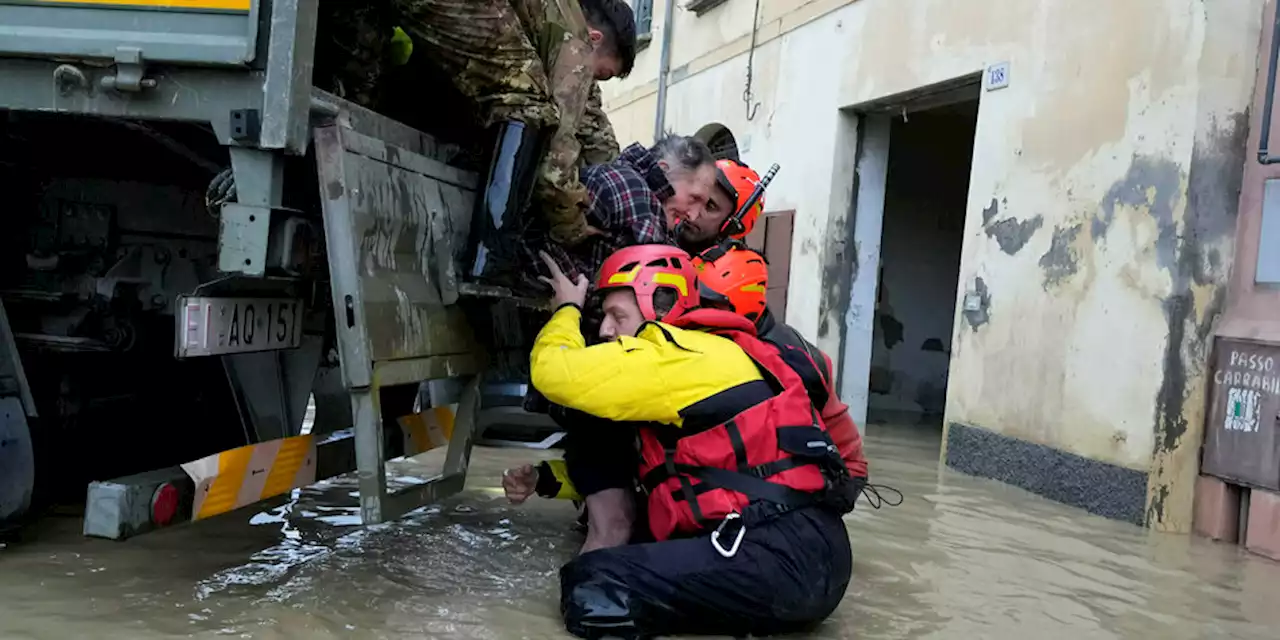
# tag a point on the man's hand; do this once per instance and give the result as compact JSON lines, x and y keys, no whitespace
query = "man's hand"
{"x":566,"y":291}
{"x":519,"y":483}
{"x":593,"y":232}
{"x":575,"y":233}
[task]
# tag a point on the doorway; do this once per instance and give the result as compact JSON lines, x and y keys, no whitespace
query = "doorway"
{"x":927,"y":186}
{"x":914,"y":161}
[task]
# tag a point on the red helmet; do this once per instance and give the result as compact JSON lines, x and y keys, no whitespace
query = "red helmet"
{"x":739,"y":181}
{"x":645,"y":269}
{"x":734,"y":276}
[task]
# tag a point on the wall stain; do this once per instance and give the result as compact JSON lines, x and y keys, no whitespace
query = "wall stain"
{"x":838,"y":268}
{"x":990,"y":212}
{"x":1012,"y":235}
{"x":1192,"y":257}
{"x":980,"y":316}
{"x":1150,"y":182}
{"x":1061,"y":261}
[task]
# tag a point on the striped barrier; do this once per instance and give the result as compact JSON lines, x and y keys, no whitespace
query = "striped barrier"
{"x":428,"y":429}
{"x":232,"y":479}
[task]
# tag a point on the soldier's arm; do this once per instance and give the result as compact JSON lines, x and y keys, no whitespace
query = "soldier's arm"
{"x":595,"y":132}
{"x":559,"y":193}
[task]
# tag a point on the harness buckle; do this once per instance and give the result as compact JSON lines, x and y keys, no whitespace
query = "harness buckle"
{"x":737,"y":540}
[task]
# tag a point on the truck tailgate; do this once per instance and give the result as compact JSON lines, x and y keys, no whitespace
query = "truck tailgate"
{"x":396,"y":224}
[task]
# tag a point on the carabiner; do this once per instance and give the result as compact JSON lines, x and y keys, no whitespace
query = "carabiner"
{"x":737,"y":540}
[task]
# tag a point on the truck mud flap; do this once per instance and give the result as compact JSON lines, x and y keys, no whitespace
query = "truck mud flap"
{"x":396,"y":224}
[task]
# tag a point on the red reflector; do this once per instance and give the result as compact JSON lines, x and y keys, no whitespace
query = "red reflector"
{"x":164,"y":504}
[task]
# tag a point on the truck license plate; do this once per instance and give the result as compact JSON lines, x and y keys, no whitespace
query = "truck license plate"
{"x":218,"y":326}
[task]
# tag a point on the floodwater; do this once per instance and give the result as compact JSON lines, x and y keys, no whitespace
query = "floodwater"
{"x":961,"y":558}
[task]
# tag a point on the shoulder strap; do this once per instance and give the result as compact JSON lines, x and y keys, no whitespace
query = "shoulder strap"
{"x":805,"y":359}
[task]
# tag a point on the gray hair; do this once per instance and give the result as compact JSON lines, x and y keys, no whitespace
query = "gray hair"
{"x":682,"y":153}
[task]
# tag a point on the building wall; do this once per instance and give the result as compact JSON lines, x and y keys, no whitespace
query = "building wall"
{"x":1101,"y":205}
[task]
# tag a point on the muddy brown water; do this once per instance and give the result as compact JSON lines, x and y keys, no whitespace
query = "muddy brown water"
{"x":961,"y":558}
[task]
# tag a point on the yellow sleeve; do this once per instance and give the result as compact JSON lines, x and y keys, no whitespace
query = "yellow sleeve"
{"x":622,"y":380}
{"x":554,"y":482}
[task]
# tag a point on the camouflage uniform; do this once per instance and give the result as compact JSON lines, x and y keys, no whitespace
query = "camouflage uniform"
{"x":530,"y":61}
{"x":595,"y":133}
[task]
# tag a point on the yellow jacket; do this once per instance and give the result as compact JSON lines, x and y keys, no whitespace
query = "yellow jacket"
{"x":652,"y":377}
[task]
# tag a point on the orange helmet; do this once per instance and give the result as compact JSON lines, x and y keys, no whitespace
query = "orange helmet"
{"x":733,"y":275}
{"x":739,"y":181}
{"x":645,"y":269}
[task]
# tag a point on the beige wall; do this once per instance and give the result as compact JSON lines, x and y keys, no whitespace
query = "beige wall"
{"x":1101,"y":204}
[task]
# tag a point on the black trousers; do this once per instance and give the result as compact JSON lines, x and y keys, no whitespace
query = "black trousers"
{"x":788,"y":575}
{"x":599,"y":454}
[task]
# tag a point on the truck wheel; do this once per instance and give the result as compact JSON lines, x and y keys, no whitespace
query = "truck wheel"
{"x":17,"y":461}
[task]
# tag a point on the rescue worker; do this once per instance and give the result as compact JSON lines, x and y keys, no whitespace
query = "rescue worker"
{"x":637,"y":199}
{"x":716,"y":222}
{"x":598,"y":465}
{"x":530,"y":67}
{"x":746,"y":489}
{"x":734,"y":278}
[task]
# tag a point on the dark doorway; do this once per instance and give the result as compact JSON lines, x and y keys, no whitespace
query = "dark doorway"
{"x":927,"y":186}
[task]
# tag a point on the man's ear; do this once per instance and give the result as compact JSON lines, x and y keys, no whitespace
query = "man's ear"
{"x":664,"y":165}
{"x":595,"y":36}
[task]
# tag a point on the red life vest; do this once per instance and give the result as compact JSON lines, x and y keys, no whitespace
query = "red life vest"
{"x":762,"y":441}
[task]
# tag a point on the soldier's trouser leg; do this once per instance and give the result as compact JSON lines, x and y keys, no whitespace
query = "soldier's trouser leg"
{"x":481,"y":45}
{"x":504,"y":194}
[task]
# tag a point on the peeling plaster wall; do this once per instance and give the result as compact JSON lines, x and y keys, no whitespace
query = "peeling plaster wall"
{"x":1101,"y":208}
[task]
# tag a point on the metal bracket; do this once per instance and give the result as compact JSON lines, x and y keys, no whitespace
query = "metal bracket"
{"x":130,"y":70}
{"x":242,"y":242}
{"x":246,"y":125}
{"x":291,"y":245}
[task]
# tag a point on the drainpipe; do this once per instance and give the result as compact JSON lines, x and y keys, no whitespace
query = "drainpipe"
{"x":1264,"y":138}
{"x":664,"y":70}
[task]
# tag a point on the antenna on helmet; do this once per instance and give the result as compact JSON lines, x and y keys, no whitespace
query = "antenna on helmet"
{"x":733,"y":224}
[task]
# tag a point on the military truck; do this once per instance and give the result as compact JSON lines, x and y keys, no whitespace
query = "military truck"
{"x":148,"y":319}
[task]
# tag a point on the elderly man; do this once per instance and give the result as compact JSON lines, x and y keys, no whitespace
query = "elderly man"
{"x":637,"y":199}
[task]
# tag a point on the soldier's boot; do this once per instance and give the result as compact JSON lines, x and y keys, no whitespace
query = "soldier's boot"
{"x":501,"y":201}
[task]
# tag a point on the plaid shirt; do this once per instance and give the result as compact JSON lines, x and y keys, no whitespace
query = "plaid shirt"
{"x":626,"y":203}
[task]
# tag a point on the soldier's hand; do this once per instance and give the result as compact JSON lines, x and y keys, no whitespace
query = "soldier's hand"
{"x":519,"y":483}
{"x":566,"y":291}
{"x":573,"y":233}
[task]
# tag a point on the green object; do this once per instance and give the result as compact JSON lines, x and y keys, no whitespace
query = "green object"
{"x":401,"y":47}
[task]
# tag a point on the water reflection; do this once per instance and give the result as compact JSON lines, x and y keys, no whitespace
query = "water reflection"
{"x":961,"y":558}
